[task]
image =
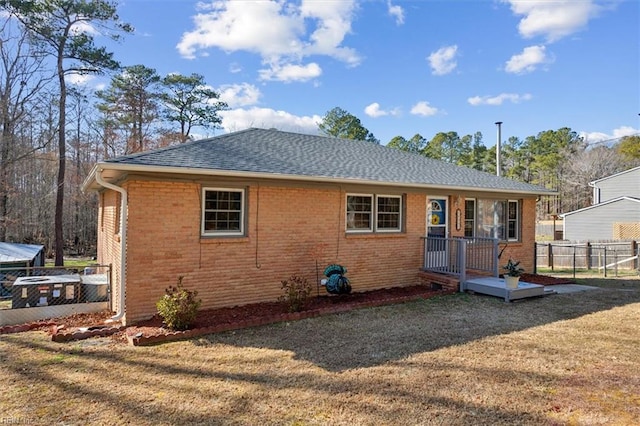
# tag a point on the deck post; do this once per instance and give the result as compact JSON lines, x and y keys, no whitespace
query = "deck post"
{"x":495,"y":259}
{"x":426,"y":249}
{"x":462,"y":261}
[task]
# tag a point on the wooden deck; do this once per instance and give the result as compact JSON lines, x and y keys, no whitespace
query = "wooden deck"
{"x":494,"y":286}
{"x":483,"y":284}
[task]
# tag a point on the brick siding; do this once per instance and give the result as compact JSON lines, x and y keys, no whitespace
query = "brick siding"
{"x":289,"y":228}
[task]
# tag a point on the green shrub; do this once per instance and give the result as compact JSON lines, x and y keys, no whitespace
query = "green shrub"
{"x":296,"y":293}
{"x":178,"y":307}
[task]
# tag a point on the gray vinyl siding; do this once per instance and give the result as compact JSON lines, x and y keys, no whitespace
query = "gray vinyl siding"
{"x":625,"y":184}
{"x":596,"y":223}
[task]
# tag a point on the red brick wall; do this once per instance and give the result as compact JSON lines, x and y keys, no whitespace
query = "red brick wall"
{"x":523,"y":250}
{"x":109,"y":247}
{"x":289,"y":228}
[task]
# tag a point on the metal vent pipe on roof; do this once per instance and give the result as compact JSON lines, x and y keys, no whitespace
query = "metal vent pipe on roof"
{"x":499,"y":138}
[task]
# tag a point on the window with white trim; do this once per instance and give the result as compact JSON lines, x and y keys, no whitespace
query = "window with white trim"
{"x":513,"y":220}
{"x":389,"y":213}
{"x":492,"y":219}
{"x":359,"y":213}
{"x":469,"y":217}
{"x":223,"y":211}
{"x":374,"y":213}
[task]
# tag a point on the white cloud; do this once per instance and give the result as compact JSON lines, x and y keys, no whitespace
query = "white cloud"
{"x":625,"y":131}
{"x":235,"y":68}
{"x":595,"y":137}
{"x":424,"y":109}
{"x":373,"y":110}
{"x":291,"y":72}
{"x":239,"y":95}
{"x":333,"y":24}
{"x":443,"y":61}
{"x":500,"y":99}
{"x":79,"y":79}
{"x":591,"y":137}
{"x":528,"y":60}
{"x":239,"y":119}
{"x":280,"y":32}
{"x":553,"y":19}
{"x":397,"y":12}
{"x":83,"y":28}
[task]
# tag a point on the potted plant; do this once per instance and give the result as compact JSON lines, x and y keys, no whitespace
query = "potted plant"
{"x":512,"y":276}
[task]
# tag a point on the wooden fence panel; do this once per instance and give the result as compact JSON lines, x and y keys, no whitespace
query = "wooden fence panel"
{"x":587,"y":254}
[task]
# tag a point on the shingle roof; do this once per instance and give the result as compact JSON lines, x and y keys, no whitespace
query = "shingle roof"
{"x":285,"y":154}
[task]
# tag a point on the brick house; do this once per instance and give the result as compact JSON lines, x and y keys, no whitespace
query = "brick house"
{"x":236,"y":214}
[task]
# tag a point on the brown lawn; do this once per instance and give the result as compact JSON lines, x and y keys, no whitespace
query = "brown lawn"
{"x":453,"y":360}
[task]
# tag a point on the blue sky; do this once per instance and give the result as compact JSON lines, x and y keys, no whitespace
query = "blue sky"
{"x":403,"y":67}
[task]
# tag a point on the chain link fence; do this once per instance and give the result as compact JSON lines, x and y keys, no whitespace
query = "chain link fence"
{"x":35,"y":293}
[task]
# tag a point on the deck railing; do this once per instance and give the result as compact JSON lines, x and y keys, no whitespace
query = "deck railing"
{"x":456,"y":256}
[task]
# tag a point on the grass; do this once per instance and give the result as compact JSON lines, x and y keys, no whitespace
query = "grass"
{"x":75,"y":262}
{"x":454,"y":360}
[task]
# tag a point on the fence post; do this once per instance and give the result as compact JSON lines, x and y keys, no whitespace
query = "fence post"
{"x":588,"y":255}
{"x":605,"y":261}
{"x":550,"y":257}
{"x":535,"y":257}
{"x":574,"y":262}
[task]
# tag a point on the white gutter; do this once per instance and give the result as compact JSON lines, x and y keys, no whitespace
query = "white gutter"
{"x":123,"y":240}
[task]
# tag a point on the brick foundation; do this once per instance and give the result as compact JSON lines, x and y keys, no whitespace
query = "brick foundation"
{"x":439,"y":281}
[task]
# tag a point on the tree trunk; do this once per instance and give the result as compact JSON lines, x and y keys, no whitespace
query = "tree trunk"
{"x":4,"y":185}
{"x":62,"y":153}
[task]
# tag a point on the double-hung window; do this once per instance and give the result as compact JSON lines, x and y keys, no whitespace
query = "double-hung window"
{"x":223,"y":211}
{"x":492,"y":219}
{"x":374,"y":213}
{"x":360,"y":213}
{"x":469,"y":217}
{"x":513,"y":220}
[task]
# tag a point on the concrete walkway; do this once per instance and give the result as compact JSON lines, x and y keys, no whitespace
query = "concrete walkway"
{"x":570,"y":288}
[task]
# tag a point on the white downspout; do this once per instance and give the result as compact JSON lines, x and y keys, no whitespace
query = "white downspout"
{"x":123,"y":240}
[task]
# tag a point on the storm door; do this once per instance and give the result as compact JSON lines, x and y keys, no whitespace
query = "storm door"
{"x":436,"y":248}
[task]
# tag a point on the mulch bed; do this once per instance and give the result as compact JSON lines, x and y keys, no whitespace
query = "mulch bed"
{"x":83,"y":326}
{"x":544,"y":279}
{"x":233,"y":318}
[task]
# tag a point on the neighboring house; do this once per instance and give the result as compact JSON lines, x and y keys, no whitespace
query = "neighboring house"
{"x":615,"y":213}
{"x":238,"y":213}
